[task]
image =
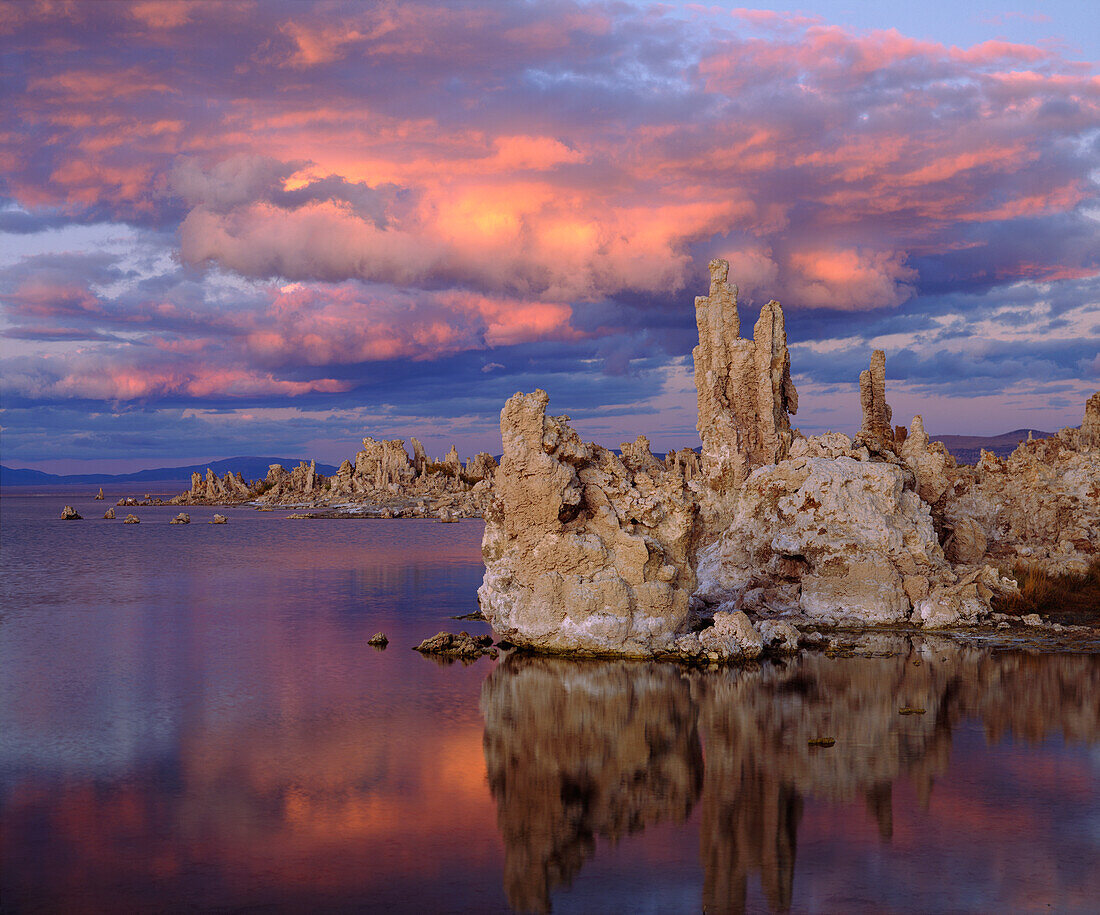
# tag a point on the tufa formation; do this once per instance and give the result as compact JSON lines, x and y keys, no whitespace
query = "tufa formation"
{"x":727,"y":554}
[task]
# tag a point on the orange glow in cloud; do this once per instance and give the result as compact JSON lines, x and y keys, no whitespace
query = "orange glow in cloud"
{"x":552,"y":161}
{"x":477,"y":218}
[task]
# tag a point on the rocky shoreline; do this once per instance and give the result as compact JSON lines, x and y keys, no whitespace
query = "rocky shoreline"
{"x":740,"y":548}
{"x":383,"y":482}
{"x":592,"y":553}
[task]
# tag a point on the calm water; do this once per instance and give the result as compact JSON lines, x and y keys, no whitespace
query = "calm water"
{"x":191,"y":719}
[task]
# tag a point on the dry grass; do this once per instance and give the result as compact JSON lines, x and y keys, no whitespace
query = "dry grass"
{"x":1064,"y":598}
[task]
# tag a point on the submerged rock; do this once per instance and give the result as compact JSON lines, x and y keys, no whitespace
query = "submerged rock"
{"x":181,"y":518}
{"x":379,"y":640}
{"x":220,"y":519}
{"x":462,"y":645}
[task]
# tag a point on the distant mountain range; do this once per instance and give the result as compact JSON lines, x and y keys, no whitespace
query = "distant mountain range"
{"x":253,"y":468}
{"x":966,"y":449}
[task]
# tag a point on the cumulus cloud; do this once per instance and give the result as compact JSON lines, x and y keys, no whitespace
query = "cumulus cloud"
{"x":338,"y":194}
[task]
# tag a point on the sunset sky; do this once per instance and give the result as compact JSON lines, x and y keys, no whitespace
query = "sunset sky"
{"x":274,"y":228}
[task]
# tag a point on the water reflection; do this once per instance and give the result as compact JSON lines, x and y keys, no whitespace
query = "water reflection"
{"x":576,"y":751}
{"x":579,"y":750}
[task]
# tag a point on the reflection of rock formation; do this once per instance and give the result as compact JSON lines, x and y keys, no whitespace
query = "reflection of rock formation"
{"x":577,"y":751}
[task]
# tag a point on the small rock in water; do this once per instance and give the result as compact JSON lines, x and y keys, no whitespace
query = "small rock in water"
{"x":220,"y":519}
{"x":475,"y":615}
{"x":181,"y":518}
{"x":462,"y":645}
{"x":821,"y":741}
{"x":109,"y":515}
{"x":99,"y":495}
{"x":68,"y":513}
{"x":779,"y":635}
{"x":1031,"y":619}
{"x":131,"y":519}
{"x":379,"y":640}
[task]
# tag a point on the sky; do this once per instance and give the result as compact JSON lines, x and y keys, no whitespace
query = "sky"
{"x":275,"y":228}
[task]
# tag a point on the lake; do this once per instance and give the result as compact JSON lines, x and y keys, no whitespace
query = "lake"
{"x":191,"y":719}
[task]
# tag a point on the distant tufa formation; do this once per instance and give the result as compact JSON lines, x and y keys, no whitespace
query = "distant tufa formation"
{"x":383,"y":479}
{"x":589,"y":553}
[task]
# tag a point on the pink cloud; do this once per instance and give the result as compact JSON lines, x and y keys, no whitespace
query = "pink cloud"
{"x":850,"y":278}
{"x":162,"y":14}
{"x":96,"y":378}
{"x":569,"y":207}
{"x":554,"y":158}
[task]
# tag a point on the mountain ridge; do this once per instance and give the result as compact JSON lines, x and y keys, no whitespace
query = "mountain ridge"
{"x":252,"y":467}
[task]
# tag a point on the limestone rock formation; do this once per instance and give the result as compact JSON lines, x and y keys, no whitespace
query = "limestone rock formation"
{"x":212,"y":489}
{"x":966,"y":544}
{"x":382,"y":479}
{"x":181,"y":518}
{"x":452,"y":460}
{"x":420,"y":458}
{"x":876,"y":432}
{"x":220,"y":519}
{"x":462,"y":645}
{"x":732,"y":635}
{"x":685,"y":463}
{"x":109,"y":515}
{"x":584,"y":551}
{"x":930,"y":463}
{"x":744,"y":392}
{"x":131,"y":519}
{"x":823,"y":530}
{"x":68,"y":513}
{"x":480,"y":467}
{"x":833,"y":539}
{"x":1040,"y":506}
{"x":1089,"y":436}
{"x":383,"y":464}
{"x":99,"y":495}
